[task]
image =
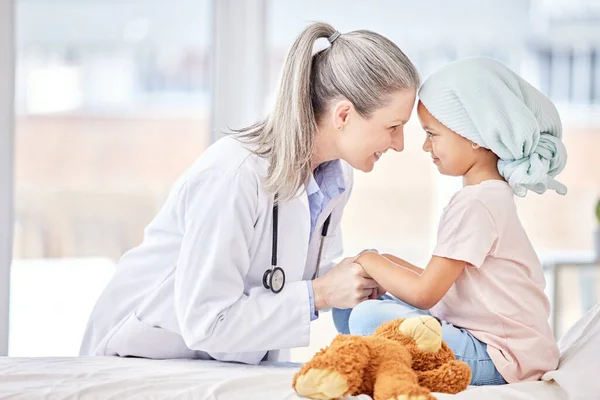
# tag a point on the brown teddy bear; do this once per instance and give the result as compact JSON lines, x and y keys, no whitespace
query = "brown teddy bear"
{"x":405,"y":359}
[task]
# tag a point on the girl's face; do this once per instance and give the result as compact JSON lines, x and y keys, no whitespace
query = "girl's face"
{"x":362,"y":141}
{"x":451,"y":153}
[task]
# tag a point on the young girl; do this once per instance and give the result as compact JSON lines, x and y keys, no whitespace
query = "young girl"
{"x":484,"y":281}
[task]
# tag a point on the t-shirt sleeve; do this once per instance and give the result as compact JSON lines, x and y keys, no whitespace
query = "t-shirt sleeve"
{"x":467,"y":232}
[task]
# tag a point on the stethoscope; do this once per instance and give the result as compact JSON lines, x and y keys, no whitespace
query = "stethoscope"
{"x":274,"y":278}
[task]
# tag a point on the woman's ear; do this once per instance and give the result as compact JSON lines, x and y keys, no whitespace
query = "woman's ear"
{"x":341,"y":114}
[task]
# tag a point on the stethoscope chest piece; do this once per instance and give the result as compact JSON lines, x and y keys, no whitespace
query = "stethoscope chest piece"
{"x":274,"y":279}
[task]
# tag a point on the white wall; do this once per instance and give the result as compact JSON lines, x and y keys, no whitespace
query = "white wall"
{"x":6,"y":160}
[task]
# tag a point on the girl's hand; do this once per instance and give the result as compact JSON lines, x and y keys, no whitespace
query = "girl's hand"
{"x":379,"y":290}
{"x":367,"y":251}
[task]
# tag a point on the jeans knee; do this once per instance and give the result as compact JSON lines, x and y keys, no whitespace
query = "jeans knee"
{"x":364,"y":318}
{"x":365,"y":309}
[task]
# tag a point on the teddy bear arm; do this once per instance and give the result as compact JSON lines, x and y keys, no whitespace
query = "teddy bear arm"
{"x":396,"y":380}
{"x":452,"y":377}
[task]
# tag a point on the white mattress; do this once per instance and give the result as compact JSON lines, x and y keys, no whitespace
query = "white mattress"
{"x":128,"y":378}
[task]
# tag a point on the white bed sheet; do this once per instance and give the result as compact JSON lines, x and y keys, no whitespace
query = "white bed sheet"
{"x":128,"y":378}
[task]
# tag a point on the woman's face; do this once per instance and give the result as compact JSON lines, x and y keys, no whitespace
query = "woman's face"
{"x":362,"y":141}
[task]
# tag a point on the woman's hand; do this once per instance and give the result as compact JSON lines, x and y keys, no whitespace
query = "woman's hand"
{"x":344,"y":286}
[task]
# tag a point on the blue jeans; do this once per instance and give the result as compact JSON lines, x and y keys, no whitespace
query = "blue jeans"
{"x":368,"y":315}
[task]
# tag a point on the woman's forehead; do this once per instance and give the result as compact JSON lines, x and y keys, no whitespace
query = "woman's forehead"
{"x":399,"y":108}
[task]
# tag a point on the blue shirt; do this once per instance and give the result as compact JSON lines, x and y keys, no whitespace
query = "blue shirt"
{"x":326,"y":184}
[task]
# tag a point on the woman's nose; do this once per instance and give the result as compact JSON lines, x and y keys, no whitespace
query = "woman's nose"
{"x":398,"y":140}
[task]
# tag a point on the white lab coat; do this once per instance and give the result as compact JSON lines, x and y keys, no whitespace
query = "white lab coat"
{"x":193,"y":288}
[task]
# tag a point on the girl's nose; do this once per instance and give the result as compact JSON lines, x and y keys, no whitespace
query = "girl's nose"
{"x":427,"y":144}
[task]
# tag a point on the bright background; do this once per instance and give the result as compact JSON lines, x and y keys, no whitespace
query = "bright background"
{"x":114,"y":99}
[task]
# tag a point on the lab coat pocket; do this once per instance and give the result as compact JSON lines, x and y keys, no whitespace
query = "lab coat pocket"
{"x":136,"y":339}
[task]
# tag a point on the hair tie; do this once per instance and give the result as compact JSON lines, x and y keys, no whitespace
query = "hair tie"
{"x":333,"y":37}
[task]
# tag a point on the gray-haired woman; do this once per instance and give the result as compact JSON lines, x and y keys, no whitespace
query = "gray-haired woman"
{"x":241,"y":258}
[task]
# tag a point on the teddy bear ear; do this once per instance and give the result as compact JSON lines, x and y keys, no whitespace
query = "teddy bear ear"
{"x":389,"y":329}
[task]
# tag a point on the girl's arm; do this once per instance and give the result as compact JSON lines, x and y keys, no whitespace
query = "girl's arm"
{"x":403,"y":263}
{"x":422,"y":291}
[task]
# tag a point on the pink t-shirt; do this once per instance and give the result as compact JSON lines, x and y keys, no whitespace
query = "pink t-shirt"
{"x":499,"y":297}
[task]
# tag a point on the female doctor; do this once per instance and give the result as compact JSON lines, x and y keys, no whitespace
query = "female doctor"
{"x":240,"y":259}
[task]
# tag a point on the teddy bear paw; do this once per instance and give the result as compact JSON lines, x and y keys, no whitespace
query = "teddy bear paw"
{"x":321,"y":384}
